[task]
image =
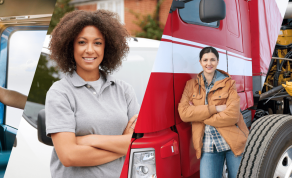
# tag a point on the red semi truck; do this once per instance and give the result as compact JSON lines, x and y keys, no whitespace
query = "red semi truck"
{"x":245,"y":39}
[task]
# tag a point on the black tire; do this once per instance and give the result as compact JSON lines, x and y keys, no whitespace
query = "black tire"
{"x":269,"y":138}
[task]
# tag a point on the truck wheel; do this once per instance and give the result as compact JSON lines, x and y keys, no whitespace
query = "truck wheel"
{"x":268,"y":151}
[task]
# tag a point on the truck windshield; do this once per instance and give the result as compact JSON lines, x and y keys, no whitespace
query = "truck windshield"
{"x":23,"y":52}
{"x":190,"y":14}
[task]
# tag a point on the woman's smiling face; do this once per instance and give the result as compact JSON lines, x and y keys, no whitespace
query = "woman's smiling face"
{"x":88,"y":50}
{"x":209,"y":63}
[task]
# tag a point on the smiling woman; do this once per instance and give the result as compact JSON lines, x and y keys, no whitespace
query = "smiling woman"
{"x":88,"y":52}
{"x":211,"y":104}
{"x":90,"y":116}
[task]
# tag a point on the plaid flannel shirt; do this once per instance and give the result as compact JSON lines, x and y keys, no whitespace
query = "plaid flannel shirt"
{"x":212,"y":136}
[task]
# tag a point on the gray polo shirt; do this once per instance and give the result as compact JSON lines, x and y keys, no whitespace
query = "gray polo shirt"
{"x":73,"y":105}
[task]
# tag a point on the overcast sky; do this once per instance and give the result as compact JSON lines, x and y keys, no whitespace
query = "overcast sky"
{"x":282,"y":4}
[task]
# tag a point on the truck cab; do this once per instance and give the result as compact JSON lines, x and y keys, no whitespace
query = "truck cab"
{"x":245,"y":39}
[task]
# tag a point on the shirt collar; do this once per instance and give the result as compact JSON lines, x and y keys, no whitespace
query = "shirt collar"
{"x":77,"y":81}
{"x":213,"y":80}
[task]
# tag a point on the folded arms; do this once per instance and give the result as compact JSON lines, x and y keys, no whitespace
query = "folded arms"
{"x":210,"y":114}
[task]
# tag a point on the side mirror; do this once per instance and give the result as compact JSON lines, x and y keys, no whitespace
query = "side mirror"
{"x":180,"y":4}
{"x":212,"y":10}
{"x":42,"y":136}
{"x":15,"y":142}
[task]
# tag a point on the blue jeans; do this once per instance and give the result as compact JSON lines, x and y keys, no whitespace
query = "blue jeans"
{"x":211,"y":165}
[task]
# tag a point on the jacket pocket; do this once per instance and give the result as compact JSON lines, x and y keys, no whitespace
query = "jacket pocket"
{"x":236,"y":137}
{"x":197,"y":99}
{"x":219,"y":99}
{"x":241,"y":131}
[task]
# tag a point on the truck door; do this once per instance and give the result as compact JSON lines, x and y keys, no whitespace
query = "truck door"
{"x":20,"y":49}
{"x":189,"y":36}
{"x":238,"y":49}
{"x":233,"y":32}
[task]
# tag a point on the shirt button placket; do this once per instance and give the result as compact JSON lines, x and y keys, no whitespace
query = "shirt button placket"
{"x":91,"y":88}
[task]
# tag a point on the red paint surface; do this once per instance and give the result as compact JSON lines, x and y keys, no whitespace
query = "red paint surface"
{"x":249,"y":99}
{"x":239,"y":81}
{"x":243,"y":103}
{"x":169,"y":149}
{"x":252,"y":113}
{"x":157,"y":109}
{"x":189,"y":162}
{"x":179,"y":85}
{"x":165,"y":167}
{"x":233,"y":32}
{"x":201,"y":34}
{"x":124,"y":173}
{"x":248,"y":83}
{"x":265,"y":24}
{"x":245,"y":27}
{"x":167,"y":28}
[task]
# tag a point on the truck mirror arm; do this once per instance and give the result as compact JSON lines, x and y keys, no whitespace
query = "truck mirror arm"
{"x":177,"y":5}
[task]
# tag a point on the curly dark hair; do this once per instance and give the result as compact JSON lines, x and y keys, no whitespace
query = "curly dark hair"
{"x":115,"y":34}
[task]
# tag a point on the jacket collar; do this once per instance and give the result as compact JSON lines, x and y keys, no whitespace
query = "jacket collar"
{"x":77,"y":81}
{"x":220,"y":83}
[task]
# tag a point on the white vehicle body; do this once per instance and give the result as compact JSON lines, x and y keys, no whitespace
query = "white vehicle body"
{"x":31,"y":157}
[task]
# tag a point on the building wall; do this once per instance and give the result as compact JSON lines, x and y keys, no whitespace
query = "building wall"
{"x":142,"y":7}
{"x":87,"y":7}
{"x":164,"y":11}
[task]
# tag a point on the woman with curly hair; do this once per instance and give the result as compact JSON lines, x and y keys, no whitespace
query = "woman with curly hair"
{"x":90,"y":116}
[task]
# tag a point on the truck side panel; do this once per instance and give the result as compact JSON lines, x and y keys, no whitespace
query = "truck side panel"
{"x":265,"y":23}
{"x":157,"y":109}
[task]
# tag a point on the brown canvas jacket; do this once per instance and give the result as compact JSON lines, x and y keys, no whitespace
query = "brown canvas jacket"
{"x":229,"y":123}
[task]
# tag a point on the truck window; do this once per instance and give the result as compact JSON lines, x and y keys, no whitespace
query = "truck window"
{"x":190,"y":14}
{"x":24,"y":48}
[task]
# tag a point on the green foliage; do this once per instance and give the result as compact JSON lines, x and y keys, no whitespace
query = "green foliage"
{"x":44,"y":77}
{"x":150,"y":25}
{"x":61,"y":8}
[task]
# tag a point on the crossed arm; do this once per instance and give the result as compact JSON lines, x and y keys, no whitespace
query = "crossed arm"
{"x":217,"y":116}
{"x":92,"y":150}
{"x":88,"y":150}
{"x":12,"y":98}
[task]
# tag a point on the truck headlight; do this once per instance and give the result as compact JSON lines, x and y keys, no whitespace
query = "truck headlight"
{"x":142,"y":163}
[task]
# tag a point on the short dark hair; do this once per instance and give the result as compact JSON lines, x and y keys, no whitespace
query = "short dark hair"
{"x":209,"y":49}
{"x":115,"y":34}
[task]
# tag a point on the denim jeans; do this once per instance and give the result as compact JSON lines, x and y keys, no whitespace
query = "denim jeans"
{"x":211,"y":164}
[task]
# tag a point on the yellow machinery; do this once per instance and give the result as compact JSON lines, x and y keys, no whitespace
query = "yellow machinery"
{"x":281,"y":70}
{"x":288,"y":87}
